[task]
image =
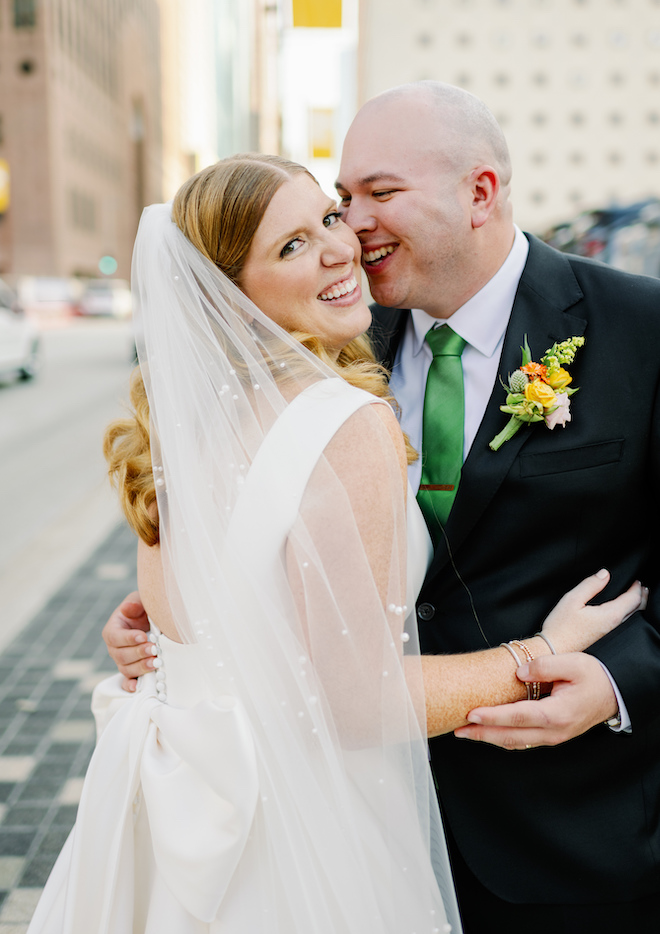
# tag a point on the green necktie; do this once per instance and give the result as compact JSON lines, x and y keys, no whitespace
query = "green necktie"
{"x":442,"y":437}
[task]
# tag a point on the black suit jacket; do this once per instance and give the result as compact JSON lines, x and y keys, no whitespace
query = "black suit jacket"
{"x":579,"y":822}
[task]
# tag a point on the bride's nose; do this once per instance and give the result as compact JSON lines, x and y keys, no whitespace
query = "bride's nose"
{"x":337,"y":252}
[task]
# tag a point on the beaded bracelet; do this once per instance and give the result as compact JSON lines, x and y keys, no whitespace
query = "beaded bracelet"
{"x":533,"y":687}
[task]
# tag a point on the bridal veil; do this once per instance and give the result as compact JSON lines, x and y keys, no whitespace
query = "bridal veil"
{"x":301,"y":613}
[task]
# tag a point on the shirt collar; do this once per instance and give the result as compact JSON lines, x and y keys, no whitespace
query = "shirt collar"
{"x":483,"y":319}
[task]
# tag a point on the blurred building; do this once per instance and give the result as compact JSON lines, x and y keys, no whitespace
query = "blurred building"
{"x":575,"y":85}
{"x":82,"y":131}
{"x":108,"y":105}
{"x":318,"y":82}
{"x":247,"y":78}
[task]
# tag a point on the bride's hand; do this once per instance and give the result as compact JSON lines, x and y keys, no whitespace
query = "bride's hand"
{"x":573,"y":625}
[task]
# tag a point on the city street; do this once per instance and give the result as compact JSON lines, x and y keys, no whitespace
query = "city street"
{"x":64,"y":564}
{"x":55,"y":501}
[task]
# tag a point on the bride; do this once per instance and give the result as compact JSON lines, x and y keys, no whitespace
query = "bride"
{"x":270,"y":774}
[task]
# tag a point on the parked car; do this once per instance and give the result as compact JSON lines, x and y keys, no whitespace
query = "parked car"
{"x":111,"y":297}
{"x":20,"y":345}
{"x":626,"y":237}
{"x":48,"y":298}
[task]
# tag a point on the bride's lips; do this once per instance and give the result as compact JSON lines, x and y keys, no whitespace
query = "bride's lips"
{"x":343,"y":292}
{"x":375,"y":257}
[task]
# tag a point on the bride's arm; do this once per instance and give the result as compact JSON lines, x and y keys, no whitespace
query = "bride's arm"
{"x":454,"y":685}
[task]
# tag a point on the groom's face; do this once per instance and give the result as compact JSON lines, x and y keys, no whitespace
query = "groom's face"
{"x":407,"y":203}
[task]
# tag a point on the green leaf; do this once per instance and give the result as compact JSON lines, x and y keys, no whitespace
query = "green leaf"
{"x":526,"y":353}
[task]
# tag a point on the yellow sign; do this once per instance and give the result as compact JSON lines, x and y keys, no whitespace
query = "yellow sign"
{"x":4,"y":185}
{"x":321,"y":129}
{"x":324,"y":14}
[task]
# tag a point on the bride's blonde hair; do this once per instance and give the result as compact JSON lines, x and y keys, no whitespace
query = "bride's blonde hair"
{"x":219,"y":211}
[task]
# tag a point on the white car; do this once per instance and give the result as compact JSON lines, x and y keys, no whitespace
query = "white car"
{"x":110,"y":297}
{"x":20,"y":348}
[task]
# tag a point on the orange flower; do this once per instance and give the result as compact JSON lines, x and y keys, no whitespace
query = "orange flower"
{"x":536,"y":371}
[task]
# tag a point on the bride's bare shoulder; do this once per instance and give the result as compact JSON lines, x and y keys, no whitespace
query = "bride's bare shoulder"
{"x":372,"y":438}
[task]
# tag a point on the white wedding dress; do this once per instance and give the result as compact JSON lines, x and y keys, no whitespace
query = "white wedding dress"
{"x":170,"y":834}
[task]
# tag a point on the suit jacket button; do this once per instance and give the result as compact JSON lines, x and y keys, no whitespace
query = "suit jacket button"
{"x":426,"y":611}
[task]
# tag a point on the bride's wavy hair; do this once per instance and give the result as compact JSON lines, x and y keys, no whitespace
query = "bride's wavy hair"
{"x":219,"y":211}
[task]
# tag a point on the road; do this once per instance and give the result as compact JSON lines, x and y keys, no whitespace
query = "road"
{"x":55,"y":502}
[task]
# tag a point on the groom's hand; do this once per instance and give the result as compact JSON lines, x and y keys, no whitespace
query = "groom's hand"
{"x":582,"y":697}
{"x":125,"y":636}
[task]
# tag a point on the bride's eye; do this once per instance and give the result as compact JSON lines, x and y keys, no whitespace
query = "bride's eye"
{"x":291,"y":247}
{"x":331,"y":219}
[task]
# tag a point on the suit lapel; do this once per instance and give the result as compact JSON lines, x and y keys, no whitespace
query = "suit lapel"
{"x":547,"y":289}
{"x":386,"y":332}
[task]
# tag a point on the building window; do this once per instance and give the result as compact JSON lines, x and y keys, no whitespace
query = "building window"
{"x":538,"y":158}
{"x":537,"y":197}
{"x":576,"y":157}
{"x":83,"y":212}
{"x":25,"y":13}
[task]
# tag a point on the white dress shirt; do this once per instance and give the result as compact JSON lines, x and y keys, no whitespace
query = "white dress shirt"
{"x":481,"y":322}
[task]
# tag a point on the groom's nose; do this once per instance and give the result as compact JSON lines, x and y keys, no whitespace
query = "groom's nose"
{"x":359,"y":216}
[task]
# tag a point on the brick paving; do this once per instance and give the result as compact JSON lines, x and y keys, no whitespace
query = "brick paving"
{"x":47,"y":675}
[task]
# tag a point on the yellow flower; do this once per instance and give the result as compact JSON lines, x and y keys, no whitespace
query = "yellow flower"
{"x":540,"y":392}
{"x":559,"y":379}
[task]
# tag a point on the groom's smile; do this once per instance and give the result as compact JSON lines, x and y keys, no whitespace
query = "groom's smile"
{"x":373,"y":257}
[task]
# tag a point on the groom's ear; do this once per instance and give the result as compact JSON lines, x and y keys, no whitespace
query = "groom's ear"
{"x":484,"y":185}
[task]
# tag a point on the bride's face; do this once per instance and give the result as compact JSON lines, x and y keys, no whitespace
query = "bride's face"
{"x":303,"y":268}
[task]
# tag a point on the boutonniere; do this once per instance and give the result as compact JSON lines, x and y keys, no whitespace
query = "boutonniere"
{"x":539,"y":392}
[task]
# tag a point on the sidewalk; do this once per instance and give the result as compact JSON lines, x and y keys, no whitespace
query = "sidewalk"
{"x":47,"y":674}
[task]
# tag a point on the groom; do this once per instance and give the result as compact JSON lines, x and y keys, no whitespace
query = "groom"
{"x":549,"y":841}
{"x":542,"y":840}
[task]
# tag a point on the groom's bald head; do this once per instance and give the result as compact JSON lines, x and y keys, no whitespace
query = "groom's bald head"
{"x":453,"y":123}
{"x":424,"y":181}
